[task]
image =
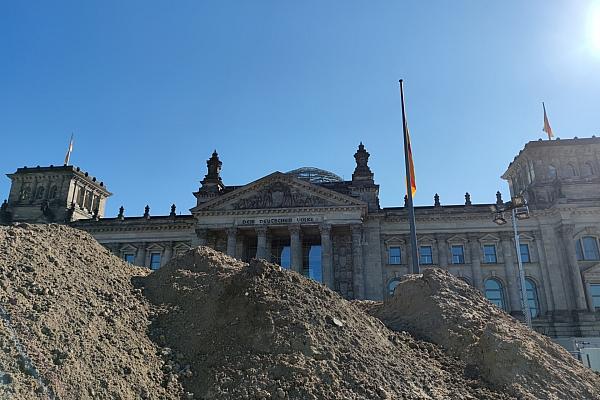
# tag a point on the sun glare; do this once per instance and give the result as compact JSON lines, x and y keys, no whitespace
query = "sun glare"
{"x":594,"y":27}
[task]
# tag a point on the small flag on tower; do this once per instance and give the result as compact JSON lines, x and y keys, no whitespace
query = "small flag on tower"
{"x":69,"y":151}
{"x":547,"y":127}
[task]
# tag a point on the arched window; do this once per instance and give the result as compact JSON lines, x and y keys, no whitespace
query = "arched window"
{"x":40,"y":193}
{"x":587,"y":169}
{"x":551,"y":172}
{"x":532,"y":298}
{"x":570,"y":170}
{"x":495,"y":293}
{"x":25,"y":191}
{"x":392,"y":286}
{"x":587,"y":249}
{"x":53,"y":192}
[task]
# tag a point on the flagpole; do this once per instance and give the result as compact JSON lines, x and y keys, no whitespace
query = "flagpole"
{"x":411,"y":211}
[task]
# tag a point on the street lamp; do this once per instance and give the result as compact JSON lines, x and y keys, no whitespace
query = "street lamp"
{"x":519,"y":210}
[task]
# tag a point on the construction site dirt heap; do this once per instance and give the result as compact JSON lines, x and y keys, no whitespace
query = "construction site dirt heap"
{"x":261,"y":332}
{"x":75,"y":325}
{"x":444,"y":310}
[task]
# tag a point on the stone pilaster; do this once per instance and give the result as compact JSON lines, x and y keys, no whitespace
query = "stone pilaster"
{"x":231,"y":241}
{"x":566,"y":231}
{"x":168,"y":253}
{"x":546,"y":281}
{"x":475,"y":250}
{"x":326,"y":256}
{"x":201,"y":238}
{"x":442,"y":250}
{"x":140,"y":257}
{"x":295,"y":248}
{"x":357,"y":262}
{"x":512,"y":276}
{"x":261,"y":242}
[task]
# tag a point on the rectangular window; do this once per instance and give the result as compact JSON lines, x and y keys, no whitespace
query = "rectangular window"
{"x":595,"y":292}
{"x":525,"y":253}
{"x":154,"y":261}
{"x":395,"y":255}
{"x":458,"y":254}
{"x":489,"y":254}
{"x":425,"y":255}
{"x":129,"y":257}
{"x":590,"y":248}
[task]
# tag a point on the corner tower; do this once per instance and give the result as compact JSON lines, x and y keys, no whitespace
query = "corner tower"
{"x":555,"y":172}
{"x":53,"y":194}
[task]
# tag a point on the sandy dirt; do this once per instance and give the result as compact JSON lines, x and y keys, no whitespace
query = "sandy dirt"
{"x":444,"y":310}
{"x":79,"y":323}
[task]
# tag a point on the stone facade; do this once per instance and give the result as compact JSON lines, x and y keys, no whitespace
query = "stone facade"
{"x":363,"y":250}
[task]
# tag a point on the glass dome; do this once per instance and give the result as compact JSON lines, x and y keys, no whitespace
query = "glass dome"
{"x":315,"y":175}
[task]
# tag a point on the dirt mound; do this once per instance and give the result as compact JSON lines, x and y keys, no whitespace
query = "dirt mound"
{"x":72,"y":325}
{"x":260,"y":332}
{"x":444,"y":310}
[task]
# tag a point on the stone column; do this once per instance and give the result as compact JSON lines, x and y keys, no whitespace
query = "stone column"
{"x":357,"y":261}
{"x":268,"y":247}
{"x":512,"y":276}
{"x":140,"y":257}
{"x":566,"y":232}
{"x":295,"y":248}
{"x":546,"y":280}
{"x":201,"y":237}
{"x":476,"y":262}
{"x":442,"y":250}
{"x":261,"y":242}
{"x":326,"y":255}
{"x":231,"y":241}
{"x":167,"y":254}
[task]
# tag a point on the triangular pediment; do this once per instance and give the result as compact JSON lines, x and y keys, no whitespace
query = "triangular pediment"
{"x":592,"y":271}
{"x":279,"y":191}
{"x":489,"y":238}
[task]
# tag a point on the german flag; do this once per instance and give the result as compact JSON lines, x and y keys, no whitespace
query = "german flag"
{"x":547,"y":127}
{"x":411,"y":180}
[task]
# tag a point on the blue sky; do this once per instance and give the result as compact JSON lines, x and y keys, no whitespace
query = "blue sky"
{"x":151,"y":88}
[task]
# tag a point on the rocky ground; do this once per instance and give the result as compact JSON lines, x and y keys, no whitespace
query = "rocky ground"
{"x":79,"y":323}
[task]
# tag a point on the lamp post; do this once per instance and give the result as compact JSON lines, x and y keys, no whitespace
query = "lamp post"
{"x":519,"y":210}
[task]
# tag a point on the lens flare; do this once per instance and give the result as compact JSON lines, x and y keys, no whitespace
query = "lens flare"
{"x":594,"y":27}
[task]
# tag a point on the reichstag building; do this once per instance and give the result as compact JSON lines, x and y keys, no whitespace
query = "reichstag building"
{"x":335,"y":231}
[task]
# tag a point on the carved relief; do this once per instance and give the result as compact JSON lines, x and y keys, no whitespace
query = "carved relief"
{"x":279,"y":195}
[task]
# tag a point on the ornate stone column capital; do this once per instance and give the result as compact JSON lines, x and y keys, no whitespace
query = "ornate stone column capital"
{"x":294,"y":229}
{"x":261,"y":230}
{"x":356,"y":229}
{"x":325,"y":229}
{"x":567,"y":231}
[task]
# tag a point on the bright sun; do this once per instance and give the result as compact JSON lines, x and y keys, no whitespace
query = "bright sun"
{"x":594,"y":27}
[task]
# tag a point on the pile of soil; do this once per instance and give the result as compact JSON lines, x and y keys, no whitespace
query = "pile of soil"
{"x":444,"y":310}
{"x":72,"y":326}
{"x":76,"y":322}
{"x":258,"y":331}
